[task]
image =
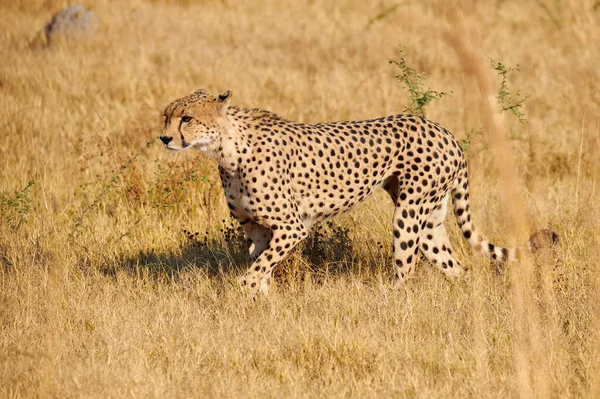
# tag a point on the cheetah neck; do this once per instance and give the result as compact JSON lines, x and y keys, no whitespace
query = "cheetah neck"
{"x":235,"y":138}
{"x":233,"y":143}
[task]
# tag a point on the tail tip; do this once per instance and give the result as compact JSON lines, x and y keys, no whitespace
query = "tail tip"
{"x":544,"y":238}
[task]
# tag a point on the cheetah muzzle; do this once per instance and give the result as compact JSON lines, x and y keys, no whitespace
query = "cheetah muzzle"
{"x":281,"y":177}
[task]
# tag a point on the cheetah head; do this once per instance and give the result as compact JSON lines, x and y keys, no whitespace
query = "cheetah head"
{"x":196,"y":121}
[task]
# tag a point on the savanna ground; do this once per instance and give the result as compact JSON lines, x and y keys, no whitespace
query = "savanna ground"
{"x":118,"y":259}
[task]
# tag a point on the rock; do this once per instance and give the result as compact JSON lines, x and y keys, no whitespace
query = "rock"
{"x":73,"y":20}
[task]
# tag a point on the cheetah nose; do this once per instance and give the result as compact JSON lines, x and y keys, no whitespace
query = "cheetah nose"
{"x":166,"y":139}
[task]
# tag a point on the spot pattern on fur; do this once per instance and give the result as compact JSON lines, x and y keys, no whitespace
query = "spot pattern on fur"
{"x":282,"y":177}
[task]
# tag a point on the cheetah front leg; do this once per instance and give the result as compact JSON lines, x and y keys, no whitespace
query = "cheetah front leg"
{"x":259,"y":235}
{"x":258,"y":277}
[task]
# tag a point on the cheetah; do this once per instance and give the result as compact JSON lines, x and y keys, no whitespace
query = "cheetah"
{"x":281,"y":177}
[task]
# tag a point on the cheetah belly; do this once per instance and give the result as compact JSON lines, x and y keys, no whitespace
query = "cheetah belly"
{"x":318,"y":207}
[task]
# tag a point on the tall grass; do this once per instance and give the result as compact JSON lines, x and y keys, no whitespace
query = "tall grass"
{"x":118,"y":266}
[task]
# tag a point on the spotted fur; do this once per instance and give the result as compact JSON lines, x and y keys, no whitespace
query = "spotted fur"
{"x":281,"y":177}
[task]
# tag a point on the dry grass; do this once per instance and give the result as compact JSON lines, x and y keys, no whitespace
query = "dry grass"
{"x":103,"y":294}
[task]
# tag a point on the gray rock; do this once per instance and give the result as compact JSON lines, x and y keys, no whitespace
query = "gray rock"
{"x":73,"y":20}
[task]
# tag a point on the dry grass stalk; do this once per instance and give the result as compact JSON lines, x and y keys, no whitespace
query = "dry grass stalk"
{"x":531,"y":364}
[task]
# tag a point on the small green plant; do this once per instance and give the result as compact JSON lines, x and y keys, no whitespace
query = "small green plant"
{"x":328,"y":243}
{"x":108,"y":187}
{"x":420,"y":97}
{"x":165,"y":187}
{"x":466,"y":143}
{"x":508,"y":100}
{"x":156,"y":192}
{"x":15,"y":207}
{"x":383,"y":14}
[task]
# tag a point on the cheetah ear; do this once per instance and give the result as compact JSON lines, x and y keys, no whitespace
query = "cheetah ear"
{"x":225,"y":96}
{"x":223,"y":102}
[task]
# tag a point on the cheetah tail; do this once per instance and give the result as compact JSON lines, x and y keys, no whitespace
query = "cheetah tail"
{"x":460,"y":199}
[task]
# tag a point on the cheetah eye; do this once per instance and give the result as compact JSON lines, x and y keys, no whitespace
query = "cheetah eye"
{"x":186,"y":118}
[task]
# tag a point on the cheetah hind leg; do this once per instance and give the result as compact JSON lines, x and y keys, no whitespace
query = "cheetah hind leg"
{"x":406,"y":225}
{"x":435,"y":245}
